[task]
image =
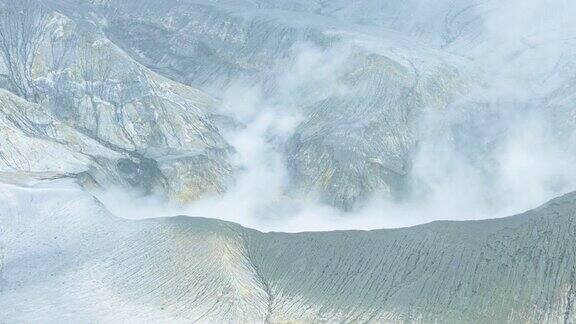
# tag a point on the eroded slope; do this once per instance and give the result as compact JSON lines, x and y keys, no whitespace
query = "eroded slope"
{"x":75,"y":261}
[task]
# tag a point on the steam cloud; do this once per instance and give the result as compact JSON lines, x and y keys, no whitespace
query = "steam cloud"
{"x":497,"y":151}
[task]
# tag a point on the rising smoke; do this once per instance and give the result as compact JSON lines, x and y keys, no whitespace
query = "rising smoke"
{"x":504,"y":147}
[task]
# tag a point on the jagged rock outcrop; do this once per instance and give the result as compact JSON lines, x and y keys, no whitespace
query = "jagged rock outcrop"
{"x":80,"y":263}
{"x":361,"y":76}
{"x":127,"y":74}
{"x":162,"y":130}
{"x":35,"y":142}
{"x":357,"y":135}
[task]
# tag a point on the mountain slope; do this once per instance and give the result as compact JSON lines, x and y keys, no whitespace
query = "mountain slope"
{"x":372,"y":91}
{"x":360,"y":92}
{"x":163,"y":130}
{"x":75,"y":261}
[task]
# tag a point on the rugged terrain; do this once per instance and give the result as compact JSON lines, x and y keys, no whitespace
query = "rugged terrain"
{"x":452,"y":109}
{"x":107,"y":70}
{"x":163,"y":85}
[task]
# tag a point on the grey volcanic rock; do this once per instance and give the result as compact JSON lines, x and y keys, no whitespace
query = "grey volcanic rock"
{"x":94,"y":267}
{"x":128,"y":74}
{"x":358,"y":143}
{"x":33,"y":141}
{"x":348,"y":100}
{"x":356,"y":137}
{"x":162,"y":129}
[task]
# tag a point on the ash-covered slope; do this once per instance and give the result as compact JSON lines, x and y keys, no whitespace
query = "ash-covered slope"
{"x":67,"y":258}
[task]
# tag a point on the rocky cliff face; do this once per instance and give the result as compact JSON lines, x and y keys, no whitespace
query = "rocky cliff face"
{"x":356,"y":137}
{"x":107,"y":69}
{"x":160,"y":132}
{"x":149,"y":81}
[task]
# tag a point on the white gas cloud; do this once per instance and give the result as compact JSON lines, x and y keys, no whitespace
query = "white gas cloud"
{"x":497,"y":151}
